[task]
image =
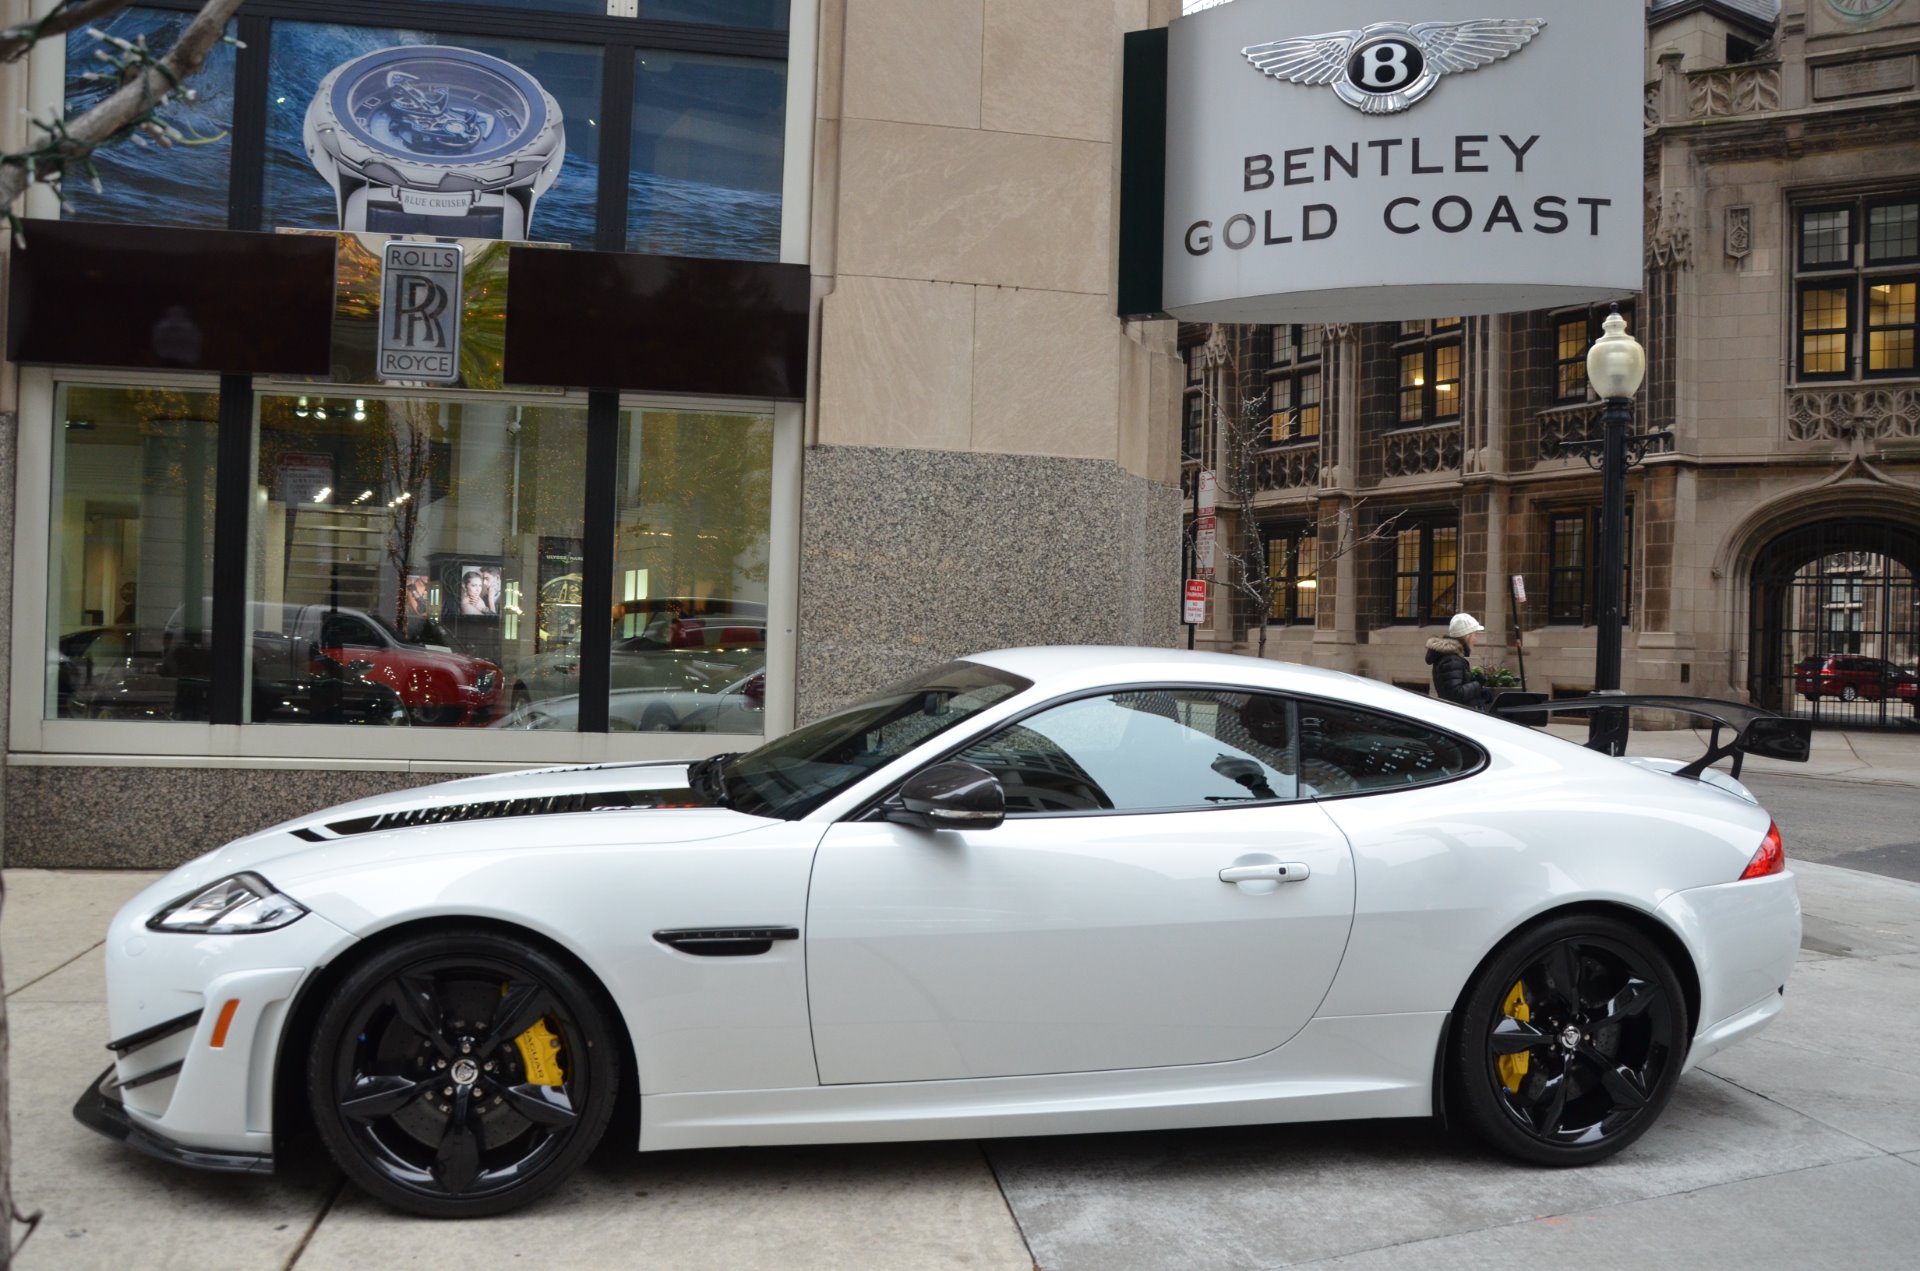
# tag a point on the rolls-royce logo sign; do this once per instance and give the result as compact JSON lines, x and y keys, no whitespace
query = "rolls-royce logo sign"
{"x":1384,"y":68}
{"x":420,"y":304}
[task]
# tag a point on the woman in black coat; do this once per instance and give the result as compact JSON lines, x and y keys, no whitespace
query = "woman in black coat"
{"x":1454,"y":679}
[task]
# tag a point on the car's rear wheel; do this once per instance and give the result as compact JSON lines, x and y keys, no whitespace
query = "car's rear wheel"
{"x":1571,"y":1042}
{"x":1849,"y":693}
{"x":461,"y":1073}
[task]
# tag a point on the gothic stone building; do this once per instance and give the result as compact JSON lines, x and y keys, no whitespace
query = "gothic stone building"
{"x":1394,"y":474}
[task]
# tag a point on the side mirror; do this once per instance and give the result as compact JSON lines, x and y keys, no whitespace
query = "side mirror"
{"x":357,"y":667}
{"x":950,"y":796}
{"x":756,"y":692}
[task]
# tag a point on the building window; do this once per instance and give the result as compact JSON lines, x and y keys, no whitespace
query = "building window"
{"x":1293,"y":566}
{"x":1573,"y":546}
{"x":1429,"y":356}
{"x":1191,"y":426}
{"x":1573,"y":336}
{"x":1295,"y":383}
{"x":414,"y":553}
{"x":1858,"y":289}
{"x":129,"y":603}
{"x":1426,"y":573}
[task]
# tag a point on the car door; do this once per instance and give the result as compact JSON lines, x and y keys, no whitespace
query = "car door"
{"x":1101,"y":925}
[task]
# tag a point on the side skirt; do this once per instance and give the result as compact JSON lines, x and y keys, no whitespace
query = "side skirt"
{"x":1336,"y":1069}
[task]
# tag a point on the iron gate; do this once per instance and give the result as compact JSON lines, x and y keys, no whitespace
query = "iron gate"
{"x":1833,"y":634}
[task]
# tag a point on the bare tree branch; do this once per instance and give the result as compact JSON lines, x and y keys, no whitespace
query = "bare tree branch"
{"x":16,"y":41}
{"x":129,"y":105}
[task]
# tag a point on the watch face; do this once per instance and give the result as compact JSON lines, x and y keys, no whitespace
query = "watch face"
{"x":438,"y":105}
{"x":1861,"y":8}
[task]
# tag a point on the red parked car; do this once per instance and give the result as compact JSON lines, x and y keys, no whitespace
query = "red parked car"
{"x":1850,"y":677}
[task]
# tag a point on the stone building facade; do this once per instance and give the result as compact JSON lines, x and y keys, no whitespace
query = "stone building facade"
{"x":1397,"y":474}
{"x":963,"y":447}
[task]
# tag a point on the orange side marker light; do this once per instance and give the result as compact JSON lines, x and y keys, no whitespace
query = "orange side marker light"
{"x":225,"y":1021}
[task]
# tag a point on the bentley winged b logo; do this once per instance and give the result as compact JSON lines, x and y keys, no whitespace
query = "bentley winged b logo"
{"x":1386,"y":67}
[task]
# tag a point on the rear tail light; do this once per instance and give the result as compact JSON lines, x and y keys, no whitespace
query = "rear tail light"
{"x":1770,"y":859}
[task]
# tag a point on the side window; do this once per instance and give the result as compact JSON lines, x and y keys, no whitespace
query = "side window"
{"x":1348,"y":751}
{"x":1144,"y":750}
{"x":340,"y":631}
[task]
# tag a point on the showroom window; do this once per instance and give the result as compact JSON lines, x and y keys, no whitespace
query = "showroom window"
{"x":410,"y":560}
{"x":1426,"y":572}
{"x":411,"y":555}
{"x":418,"y":117}
{"x":1573,"y":540}
{"x":128,"y":608}
{"x":1858,"y":289}
{"x":691,"y":557}
{"x":1144,"y":750}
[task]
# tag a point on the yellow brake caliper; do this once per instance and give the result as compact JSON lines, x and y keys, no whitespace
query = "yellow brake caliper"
{"x":1513,"y":1068}
{"x":539,"y":1053}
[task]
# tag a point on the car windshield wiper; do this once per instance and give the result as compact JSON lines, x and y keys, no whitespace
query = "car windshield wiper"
{"x":705,"y":779}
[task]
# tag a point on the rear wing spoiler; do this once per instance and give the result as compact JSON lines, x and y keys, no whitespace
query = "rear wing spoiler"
{"x":1755,"y":731}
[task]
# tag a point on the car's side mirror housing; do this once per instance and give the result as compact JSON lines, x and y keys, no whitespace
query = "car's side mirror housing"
{"x":950,"y":796}
{"x":1789,"y":739}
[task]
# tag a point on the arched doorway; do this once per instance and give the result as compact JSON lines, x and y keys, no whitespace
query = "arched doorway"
{"x":1835,"y":632}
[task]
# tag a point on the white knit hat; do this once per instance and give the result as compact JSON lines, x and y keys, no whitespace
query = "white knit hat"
{"x":1463,"y":625}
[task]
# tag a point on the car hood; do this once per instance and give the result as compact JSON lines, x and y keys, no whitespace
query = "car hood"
{"x":498,"y":812}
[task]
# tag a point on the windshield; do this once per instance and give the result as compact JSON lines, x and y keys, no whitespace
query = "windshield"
{"x":792,"y":775}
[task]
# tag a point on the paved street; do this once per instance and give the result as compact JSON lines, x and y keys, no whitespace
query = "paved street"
{"x":1800,"y":1148}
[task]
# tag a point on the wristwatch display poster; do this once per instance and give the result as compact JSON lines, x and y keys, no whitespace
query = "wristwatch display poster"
{"x":433,"y":139}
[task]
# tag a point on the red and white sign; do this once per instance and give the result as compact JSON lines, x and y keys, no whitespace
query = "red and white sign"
{"x":1208,"y":492}
{"x":1204,"y":538}
{"x":1196,"y":607}
{"x":1520,"y":589}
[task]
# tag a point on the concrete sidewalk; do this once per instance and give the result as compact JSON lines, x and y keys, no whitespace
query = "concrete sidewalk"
{"x":1800,"y":1148}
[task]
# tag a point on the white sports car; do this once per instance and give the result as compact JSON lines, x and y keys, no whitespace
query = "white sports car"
{"x":1034,"y":892}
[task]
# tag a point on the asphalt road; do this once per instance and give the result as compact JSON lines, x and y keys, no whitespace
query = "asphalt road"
{"x":1857,"y":825}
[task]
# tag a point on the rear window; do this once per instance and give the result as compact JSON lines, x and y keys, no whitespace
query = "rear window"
{"x":1345,"y":750}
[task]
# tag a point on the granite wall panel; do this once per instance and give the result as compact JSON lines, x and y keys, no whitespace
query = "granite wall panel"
{"x":156,"y":818}
{"x":913,"y":557}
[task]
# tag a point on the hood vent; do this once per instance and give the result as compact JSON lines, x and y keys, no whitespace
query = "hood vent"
{"x":498,"y":809}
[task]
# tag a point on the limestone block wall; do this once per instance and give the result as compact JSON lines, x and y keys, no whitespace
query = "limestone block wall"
{"x":964,"y":222}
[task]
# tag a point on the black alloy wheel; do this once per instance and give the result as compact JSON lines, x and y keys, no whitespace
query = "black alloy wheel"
{"x":1571,"y":1043}
{"x":461,"y":1074}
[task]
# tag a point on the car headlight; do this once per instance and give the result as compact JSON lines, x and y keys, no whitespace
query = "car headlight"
{"x":241,"y":903}
{"x":486,"y":681}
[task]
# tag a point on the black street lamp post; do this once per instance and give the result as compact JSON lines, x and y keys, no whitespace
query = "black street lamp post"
{"x":1616,"y":365}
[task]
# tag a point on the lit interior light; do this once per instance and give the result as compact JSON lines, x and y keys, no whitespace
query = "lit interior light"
{"x":359,"y":409}
{"x":323,"y":494}
{"x":301,"y":409}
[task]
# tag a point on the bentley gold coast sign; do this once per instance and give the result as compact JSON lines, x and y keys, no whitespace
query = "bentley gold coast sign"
{"x":1373,"y":160}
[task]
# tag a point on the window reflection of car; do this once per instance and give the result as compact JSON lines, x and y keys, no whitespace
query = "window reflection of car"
{"x":438,"y":685}
{"x":673,"y":650}
{"x":735,"y":705}
{"x":1850,"y":677}
{"x":88,"y":658}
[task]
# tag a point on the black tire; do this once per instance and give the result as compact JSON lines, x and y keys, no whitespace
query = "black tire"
{"x":521,"y":698}
{"x":658,"y":719}
{"x":1595,"y":1067}
{"x":395,"y":1035}
{"x":1848,"y":693}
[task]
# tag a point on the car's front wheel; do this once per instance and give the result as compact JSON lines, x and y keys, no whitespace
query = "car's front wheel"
{"x":1571,"y":1042}
{"x":461,"y":1073}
